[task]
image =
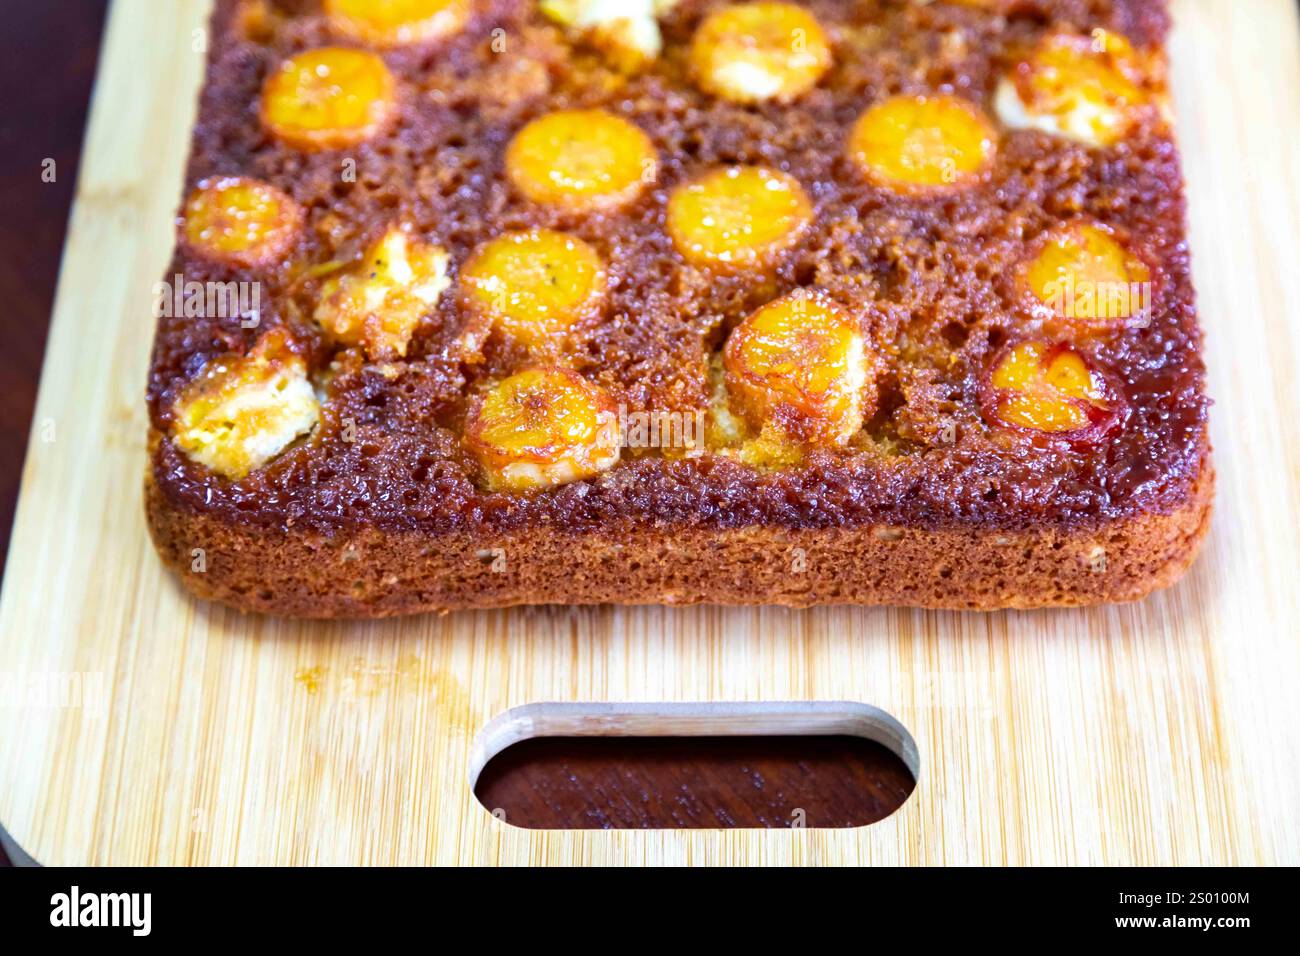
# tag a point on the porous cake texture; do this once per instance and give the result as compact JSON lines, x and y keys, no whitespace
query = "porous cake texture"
{"x":577,"y":301}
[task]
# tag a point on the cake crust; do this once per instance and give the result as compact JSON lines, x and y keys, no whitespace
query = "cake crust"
{"x":383,"y":510}
{"x":368,"y":573}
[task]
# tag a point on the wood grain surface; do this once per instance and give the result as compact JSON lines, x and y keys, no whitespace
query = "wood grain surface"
{"x":175,"y":732}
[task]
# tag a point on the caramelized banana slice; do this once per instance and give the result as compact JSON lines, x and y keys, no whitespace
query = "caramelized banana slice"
{"x":242,"y":411}
{"x":1083,"y":274}
{"x":799,"y":362}
{"x":329,"y":98}
{"x":581,"y":160}
{"x":737,"y":216}
{"x":1042,"y":388}
{"x":393,"y":23}
{"x":240,"y":221}
{"x":379,"y":303}
{"x":916,"y":144}
{"x":1085,"y":88}
{"x":754,"y":52}
{"x":625,"y":31}
{"x":536,"y":284}
{"x":543,"y":427}
{"x":995,"y":6}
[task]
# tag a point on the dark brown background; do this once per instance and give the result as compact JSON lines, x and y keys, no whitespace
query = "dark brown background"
{"x":47,"y":69}
{"x":601,"y":783}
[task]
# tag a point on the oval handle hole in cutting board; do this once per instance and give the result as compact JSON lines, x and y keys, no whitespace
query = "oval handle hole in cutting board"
{"x":693,"y":766}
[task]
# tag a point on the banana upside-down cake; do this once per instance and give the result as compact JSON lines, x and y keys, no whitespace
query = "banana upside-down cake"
{"x":643,"y":301}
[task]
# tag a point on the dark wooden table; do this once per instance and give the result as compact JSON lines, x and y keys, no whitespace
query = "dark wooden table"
{"x":47,"y":68}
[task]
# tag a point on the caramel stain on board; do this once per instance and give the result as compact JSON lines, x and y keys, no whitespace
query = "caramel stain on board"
{"x":365,"y":680}
{"x":309,"y":678}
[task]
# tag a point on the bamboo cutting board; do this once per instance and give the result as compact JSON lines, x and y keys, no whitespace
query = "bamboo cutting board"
{"x":138,"y":726}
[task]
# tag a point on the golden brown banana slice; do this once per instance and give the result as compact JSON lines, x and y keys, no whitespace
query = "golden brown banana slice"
{"x":737,"y":216}
{"x":534,"y":285}
{"x":923,"y":144}
{"x":240,"y":221}
{"x":581,"y":160}
{"x":800,"y":363}
{"x":1085,"y":88}
{"x":752,"y":52}
{"x":329,"y":98}
{"x":542,"y":427}
{"x":379,"y":303}
{"x":394,"y":23}
{"x":243,"y":410}
{"x":625,"y":31}
{"x":1052,"y":389}
{"x":1082,"y":274}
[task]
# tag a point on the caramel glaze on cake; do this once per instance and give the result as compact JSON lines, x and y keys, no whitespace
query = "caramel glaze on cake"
{"x":382,"y":508}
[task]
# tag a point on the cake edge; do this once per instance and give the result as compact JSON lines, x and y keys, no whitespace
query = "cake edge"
{"x":368,"y":573}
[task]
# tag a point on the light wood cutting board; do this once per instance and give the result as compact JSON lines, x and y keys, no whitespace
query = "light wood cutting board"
{"x":177,"y":732}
